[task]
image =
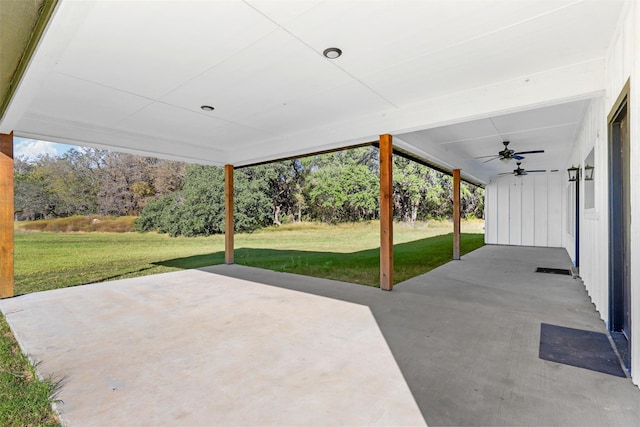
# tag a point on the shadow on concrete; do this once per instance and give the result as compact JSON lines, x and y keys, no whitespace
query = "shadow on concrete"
{"x":466,"y":338}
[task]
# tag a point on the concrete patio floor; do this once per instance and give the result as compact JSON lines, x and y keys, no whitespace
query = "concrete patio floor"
{"x":233,"y":345}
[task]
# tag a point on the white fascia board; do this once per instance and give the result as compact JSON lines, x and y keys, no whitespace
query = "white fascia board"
{"x":39,"y":127}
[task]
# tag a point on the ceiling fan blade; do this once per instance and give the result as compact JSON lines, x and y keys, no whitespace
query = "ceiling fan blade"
{"x":484,"y":157}
{"x":530,"y":152}
{"x":487,"y":161}
{"x":506,"y":173}
{"x":517,"y":157}
{"x":537,"y":170}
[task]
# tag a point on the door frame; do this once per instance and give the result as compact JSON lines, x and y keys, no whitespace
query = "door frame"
{"x":619,"y":230}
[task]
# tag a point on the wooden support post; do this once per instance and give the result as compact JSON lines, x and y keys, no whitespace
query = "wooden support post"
{"x":228,"y":209}
{"x":456,"y":214}
{"x":6,"y":215}
{"x":386,"y":212}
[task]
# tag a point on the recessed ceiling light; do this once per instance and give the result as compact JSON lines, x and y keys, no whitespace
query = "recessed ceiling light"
{"x":332,"y":52}
{"x":207,"y":108}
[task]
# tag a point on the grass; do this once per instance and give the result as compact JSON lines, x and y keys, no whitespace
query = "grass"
{"x":362,"y":265}
{"x":24,"y":399}
{"x":347,"y":252}
{"x":54,"y":260}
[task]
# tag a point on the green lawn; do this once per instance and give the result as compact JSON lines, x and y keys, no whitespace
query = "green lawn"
{"x":346,"y":252}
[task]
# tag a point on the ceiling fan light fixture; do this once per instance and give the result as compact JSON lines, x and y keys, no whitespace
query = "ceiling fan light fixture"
{"x":332,"y":53}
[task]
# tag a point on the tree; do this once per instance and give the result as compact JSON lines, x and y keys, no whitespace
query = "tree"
{"x":31,"y":199}
{"x":126,"y":184}
{"x":343,"y":186}
{"x":56,"y":186}
{"x":198,"y":209}
{"x":409,"y":188}
{"x":167,"y":176}
{"x":472,"y":200}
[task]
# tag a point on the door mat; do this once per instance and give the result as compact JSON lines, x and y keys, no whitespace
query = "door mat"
{"x":582,"y":349}
{"x":553,"y":270}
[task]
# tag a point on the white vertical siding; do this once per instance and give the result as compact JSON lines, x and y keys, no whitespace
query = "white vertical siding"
{"x":527,"y":210}
{"x":515,"y":210}
{"x":594,"y":249}
{"x":528,"y":224}
{"x":540,"y":220}
{"x":502,"y":220}
{"x":491,"y":215}
{"x":554,"y":209}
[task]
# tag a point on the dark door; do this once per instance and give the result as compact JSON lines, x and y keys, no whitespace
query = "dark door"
{"x":620,"y":230}
{"x":626,"y":225}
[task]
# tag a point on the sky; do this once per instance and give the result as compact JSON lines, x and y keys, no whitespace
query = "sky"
{"x":32,"y":148}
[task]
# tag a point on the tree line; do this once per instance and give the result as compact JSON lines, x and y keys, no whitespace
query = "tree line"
{"x":182,"y":199}
{"x":90,"y":181}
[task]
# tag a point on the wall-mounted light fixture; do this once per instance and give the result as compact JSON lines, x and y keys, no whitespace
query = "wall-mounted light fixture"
{"x":574,"y":173}
{"x":207,"y":108}
{"x":588,"y":173}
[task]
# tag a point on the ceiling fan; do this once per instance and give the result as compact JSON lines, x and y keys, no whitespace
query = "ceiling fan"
{"x":520,"y":171}
{"x":508,"y":154}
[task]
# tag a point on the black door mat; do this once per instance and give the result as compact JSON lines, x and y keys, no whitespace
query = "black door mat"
{"x":582,"y":349}
{"x":554,"y":271}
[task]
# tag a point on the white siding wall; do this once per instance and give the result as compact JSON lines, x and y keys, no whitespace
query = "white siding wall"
{"x":554,"y":209}
{"x":594,"y":255}
{"x":623,"y":62}
{"x":541,"y":217}
{"x":491,"y":214}
{"x":502,"y":223}
{"x":527,"y":233}
{"x":524,"y":210}
{"x":515,"y":211}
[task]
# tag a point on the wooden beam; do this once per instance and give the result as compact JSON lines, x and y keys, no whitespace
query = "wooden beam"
{"x":386,"y":212}
{"x":456,"y":214}
{"x":228,"y":209}
{"x":6,"y":215}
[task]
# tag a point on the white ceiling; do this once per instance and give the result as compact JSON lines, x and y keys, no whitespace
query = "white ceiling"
{"x":449,"y":79}
{"x":552,"y":129}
